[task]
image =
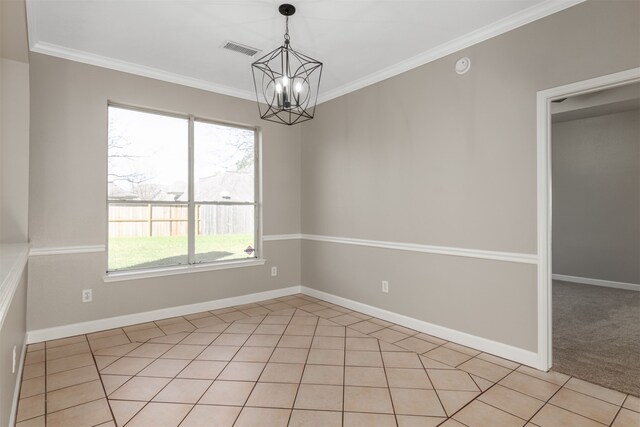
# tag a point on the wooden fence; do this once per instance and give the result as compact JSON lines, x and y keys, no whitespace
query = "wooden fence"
{"x":145,"y":220}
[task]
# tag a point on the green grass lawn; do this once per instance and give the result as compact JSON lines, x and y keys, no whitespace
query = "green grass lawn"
{"x":141,"y":252}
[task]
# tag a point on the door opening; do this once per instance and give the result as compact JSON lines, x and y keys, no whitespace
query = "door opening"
{"x":544,"y":172}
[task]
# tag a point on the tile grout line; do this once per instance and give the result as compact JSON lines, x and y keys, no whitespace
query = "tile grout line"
{"x":434,"y":388}
{"x":175,"y":376}
{"x":46,"y":413}
{"x":117,"y":357}
{"x":304,"y":364}
{"x":258,"y":378}
{"x":617,"y":413}
{"x":192,"y":360}
{"x":136,"y":374}
{"x":573,"y":412}
{"x":304,"y":368}
{"x":546,"y":402}
{"x":46,"y":409}
{"x":266,"y":363}
{"x":477,"y":385}
{"x":79,"y":404}
{"x":95,"y":364}
{"x":563,"y":386}
{"x":133,"y":376}
{"x":344,"y":371}
{"x":593,"y":397}
{"x":106,"y":397}
{"x":386,"y":378}
{"x":504,"y":410}
{"x":327,"y":306}
{"x":45,"y":391}
{"x":496,"y":384}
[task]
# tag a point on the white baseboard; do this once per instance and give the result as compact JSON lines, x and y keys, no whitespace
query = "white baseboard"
{"x":149,"y":316}
{"x":506,"y":351}
{"x":597,"y":282}
{"x":519,"y":355}
{"x":16,"y":390}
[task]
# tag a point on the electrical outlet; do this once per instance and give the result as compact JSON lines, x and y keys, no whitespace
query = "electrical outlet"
{"x":87,"y":295}
{"x":385,"y":286}
{"x":274,"y":271}
{"x":13,"y":369}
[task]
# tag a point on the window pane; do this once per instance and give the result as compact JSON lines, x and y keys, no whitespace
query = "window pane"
{"x":147,"y":156}
{"x":147,"y":235}
{"x":223,"y":163}
{"x":224,"y":232}
{"x":148,"y":173}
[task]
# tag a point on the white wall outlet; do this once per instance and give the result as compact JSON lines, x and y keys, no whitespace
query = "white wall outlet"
{"x":87,"y":295}
{"x":13,"y":368}
{"x":385,"y":286}
{"x":274,"y":271}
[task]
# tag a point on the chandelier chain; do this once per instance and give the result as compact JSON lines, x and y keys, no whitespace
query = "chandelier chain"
{"x":286,"y":31}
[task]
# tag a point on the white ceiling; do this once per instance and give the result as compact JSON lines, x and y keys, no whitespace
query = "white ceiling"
{"x":359,"y":41}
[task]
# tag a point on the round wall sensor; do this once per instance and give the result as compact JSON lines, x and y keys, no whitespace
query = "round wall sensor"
{"x":463,"y":65}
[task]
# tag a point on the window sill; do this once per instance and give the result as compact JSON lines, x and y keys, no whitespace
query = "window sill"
{"x":119,"y":276}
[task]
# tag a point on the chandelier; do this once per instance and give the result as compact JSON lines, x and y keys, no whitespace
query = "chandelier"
{"x":286,"y":81}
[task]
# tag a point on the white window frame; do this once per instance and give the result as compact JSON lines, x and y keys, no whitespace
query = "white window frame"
{"x":193,"y":266}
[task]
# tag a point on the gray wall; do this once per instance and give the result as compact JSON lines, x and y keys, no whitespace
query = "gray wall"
{"x":596,"y":197}
{"x":13,"y":31}
{"x":14,"y":122}
{"x":426,"y":157}
{"x":68,"y":194}
{"x":14,"y":182}
{"x":14,"y":150}
{"x":435,"y":158}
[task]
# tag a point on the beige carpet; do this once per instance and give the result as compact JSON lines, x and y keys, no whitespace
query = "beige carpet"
{"x":596,"y":335}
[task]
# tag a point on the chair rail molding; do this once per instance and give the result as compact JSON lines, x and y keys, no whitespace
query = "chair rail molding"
{"x":64,"y":250}
{"x":523,"y":258}
{"x":431,"y":249}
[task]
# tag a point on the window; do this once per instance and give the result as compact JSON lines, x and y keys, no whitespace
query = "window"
{"x":181,"y":190}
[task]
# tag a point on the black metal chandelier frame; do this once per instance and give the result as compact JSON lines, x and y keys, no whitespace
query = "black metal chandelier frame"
{"x":286,"y":81}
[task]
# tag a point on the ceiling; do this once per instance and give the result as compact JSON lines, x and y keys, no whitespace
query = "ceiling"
{"x":359,"y":41}
{"x":599,"y":103}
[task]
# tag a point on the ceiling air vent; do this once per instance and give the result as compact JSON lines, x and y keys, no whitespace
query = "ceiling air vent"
{"x":237,"y":47}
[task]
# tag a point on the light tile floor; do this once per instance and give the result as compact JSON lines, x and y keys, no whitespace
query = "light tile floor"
{"x":296,"y":361}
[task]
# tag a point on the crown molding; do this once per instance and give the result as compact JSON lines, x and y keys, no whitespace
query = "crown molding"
{"x":494,"y":29}
{"x":33,"y":22}
{"x":139,"y":70}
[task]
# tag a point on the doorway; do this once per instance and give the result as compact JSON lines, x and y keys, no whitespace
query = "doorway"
{"x":595,"y":162}
{"x":545,"y":101}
